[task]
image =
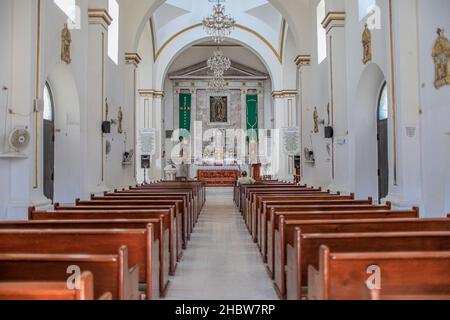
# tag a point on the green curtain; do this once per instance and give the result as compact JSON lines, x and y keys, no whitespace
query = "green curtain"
{"x":252,"y":114}
{"x":185,"y":111}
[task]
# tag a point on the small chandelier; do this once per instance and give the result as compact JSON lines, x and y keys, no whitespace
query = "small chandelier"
{"x":219,"y":63}
{"x":219,"y":25}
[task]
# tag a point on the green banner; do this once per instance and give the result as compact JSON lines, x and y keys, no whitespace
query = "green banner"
{"x":185,"y":111}
{"x":252,"y":116}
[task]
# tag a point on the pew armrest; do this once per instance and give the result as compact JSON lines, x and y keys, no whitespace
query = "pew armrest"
{"x":313,"y":284}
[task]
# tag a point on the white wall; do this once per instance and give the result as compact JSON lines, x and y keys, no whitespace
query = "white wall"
{"x":436,"y":111}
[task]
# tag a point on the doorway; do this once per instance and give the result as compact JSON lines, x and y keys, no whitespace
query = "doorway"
{"x":49,"y":143}
{"x":383,"y":145}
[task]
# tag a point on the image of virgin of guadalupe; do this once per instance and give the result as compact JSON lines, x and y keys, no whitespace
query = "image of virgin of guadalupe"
{"x":218,"y":110}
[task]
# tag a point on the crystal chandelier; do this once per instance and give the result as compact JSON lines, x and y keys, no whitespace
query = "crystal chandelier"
{"x":217,"y":84}
{"x":219,"y":63}
{"x":219,"y":25}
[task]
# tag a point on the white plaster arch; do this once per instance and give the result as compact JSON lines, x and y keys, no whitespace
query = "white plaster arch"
{"x":68,"y":133}
{"x":365,"y":131}
{"x":196,"y":35}
{"x":139,"y":12}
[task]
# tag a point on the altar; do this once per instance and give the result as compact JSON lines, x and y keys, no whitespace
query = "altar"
{"x":218,"y":176}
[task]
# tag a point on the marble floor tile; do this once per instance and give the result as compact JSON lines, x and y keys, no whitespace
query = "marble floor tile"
{"x":221,"y":261}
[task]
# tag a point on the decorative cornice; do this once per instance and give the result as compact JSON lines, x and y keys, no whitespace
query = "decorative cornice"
{"x":333,"y":19}
{"x":159,"y":94}
{"x":303,"y":60}
{"x":284,"y":93}
{"x":148,"y":93}
{"x":133,"y":58}
{"x":100,"y":16}
{"x":151,"y":93}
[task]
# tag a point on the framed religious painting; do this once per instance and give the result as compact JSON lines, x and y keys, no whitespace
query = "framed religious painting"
{"x":219,"y":109}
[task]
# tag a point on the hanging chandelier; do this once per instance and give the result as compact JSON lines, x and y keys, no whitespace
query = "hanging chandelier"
{"x":217,"y":84}
{"x":219,"y":64}
{"x":219,"y":25}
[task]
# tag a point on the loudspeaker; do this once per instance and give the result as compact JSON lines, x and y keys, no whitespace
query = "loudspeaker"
{"x":145,"y":162}
{"x":106,"y":127}
{"x":329,"y":132}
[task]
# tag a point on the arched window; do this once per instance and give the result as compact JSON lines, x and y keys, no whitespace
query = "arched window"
{"x":383,"y":103}
{"x":48,"y":103}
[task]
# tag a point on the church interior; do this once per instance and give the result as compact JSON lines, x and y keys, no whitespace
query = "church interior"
{"x":224,"y":150}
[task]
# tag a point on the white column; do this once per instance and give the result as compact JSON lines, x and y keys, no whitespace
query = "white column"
{"x":281,"y":159}
{"x":143,"y":121}
{"x":99,"y":20}
{"x":334,"y":23}
{"x":304,"y":100}
{"x":156,"y":171}
{"x":405,"y":157}
{"x":132,"y":61}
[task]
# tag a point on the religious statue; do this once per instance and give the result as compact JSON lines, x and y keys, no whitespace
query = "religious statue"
{"x":316,"y":120}
{"x":66,"y":40}
{"x":218,"y":109}
{"x":441,"y":56}
{"x":367,"y":45}
{"x":119,"y":121}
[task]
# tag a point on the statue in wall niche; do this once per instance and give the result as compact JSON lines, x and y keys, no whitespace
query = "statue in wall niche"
{"x":441,"y":56}
{"x":119,"y":121}
{"x":66,"y":41}
{"x":316,"y":120}
{"x":367,"y":45}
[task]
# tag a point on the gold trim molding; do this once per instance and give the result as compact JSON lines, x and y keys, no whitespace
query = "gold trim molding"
{"x":303,"y":60}
{"x":133,"y":58}
{"x":157,"y":53}
{"x":284,"y":93}
{"x":100,"y":16}
{"x":150,"y":93}
{"x":334,"y":19}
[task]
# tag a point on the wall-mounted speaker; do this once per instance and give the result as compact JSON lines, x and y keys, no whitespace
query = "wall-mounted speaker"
{"x":329,"y":132}
{"x":106,"y":127}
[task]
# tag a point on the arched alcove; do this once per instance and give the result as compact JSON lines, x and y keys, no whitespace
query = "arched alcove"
{"x":67,"y":134}
{"x":365,"y":120}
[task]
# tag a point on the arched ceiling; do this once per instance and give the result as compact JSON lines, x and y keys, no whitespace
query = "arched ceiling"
{"x":259,"y":17}
{"x":202,"y":51}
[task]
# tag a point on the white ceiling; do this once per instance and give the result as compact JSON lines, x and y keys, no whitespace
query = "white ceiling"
{"x":176,"y":15}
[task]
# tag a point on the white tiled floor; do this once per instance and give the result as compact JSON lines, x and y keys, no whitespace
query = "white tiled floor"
{"x":221,"y":261}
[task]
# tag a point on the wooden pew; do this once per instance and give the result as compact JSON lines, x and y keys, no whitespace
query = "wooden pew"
{"x":260,"y":199}
{"x":176,"y":236}
{"x":250,"y":196}
{"x":399,"y":294}
{"x":111,"y":271}
{"x":240,"y":190}
{"x":96,"y":212}
{"x":163,"y":240}
{"x":343,"y":276}
{"x":274,"y":238}
{"x":192,"y":199}
{"x":158,"y":261}
{"x":198,"y":187}
{"x":136,"y":199}
{"x":267,"y":209}
{"x":306,"y":250}
{"x":286,"y":240}
{"x":46,"y":290}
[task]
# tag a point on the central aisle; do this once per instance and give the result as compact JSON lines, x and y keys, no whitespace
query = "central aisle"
{"x":221,"y":261}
